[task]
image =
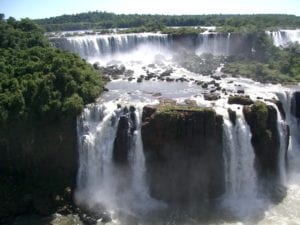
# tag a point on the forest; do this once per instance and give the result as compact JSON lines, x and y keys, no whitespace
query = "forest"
{"x":105,"y":20}
{"x":39,"y":82}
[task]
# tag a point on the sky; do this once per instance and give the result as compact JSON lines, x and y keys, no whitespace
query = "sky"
{"x":35,"y":9}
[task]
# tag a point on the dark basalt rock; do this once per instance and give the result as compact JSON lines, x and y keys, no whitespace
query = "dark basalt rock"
{"x":232,"y":116}
{"x":122,"y":143}
{"x":262,"y":120}
{"x":295,"y":107}
{"x":211,"y":97}
{"x":113,"y":70}
{"x":183,"y":151}
{"x":126,"y":126}
{"x":240,"y":100}
{"x":279,"y":106}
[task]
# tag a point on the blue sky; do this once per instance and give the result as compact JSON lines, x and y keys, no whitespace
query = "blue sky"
{"x":47,"y":8}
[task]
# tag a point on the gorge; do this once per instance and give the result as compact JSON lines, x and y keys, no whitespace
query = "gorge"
{"x":149,"y":128}
{"x":168,"y":145}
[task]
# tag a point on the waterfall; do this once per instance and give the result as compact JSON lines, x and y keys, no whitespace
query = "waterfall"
{"x":228,"y":44}
{"x":282,"y":38}
{"x":283,"y":135}
{"x":103,"y":45}
{"x":100,"y":181}
{"x":286,"y":97}
{"x":214,"y":43}
{"x":241,"y":195}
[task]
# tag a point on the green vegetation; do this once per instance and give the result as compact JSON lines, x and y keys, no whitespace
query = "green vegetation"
{"x":100,"y":20}
{"x":177,"y":110}
{"x":42,"y":90}
{"x":37,"y":81}
{"x":268,"y":63}
{"x":159,"y":27}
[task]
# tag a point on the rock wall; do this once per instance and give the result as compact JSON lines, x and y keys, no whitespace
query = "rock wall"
{"x":183,"y":151}
{"x":38,"y":166}
{"x":295,"y":107}
{"x":262,"y":120}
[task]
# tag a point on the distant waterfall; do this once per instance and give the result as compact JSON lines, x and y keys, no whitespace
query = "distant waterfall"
{"x":100,"y":181}
{"x":214,"y":43}
{"x":103,"y":45}
{"x":240,"y":175}
{"x":284,"y":37}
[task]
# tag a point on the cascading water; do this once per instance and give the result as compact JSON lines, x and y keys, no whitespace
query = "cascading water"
{"x":107,"y":45}
{"x":283,"y":37}
{"x":240,"y":175}
{"x":214,"y":43}
{"x":101,"y":183}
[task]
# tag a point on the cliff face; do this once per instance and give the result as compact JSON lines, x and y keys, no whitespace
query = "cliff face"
{"x":183,"y":151}
{"x":262,"y":120}
{"x":295,"y":107}
{"x":37,"y":164}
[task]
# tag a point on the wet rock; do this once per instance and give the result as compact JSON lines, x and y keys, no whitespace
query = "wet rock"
{"x":158,"y":94}
{"x":262,"y":120}
{"x":166,"y":73}
{"x":96,"y":65}
{"x":204,"y":85}
{"x":216,"y":77}
{"x":128,"y":73}
{"x":183,"y":152}
{"x":167,"y":102}
{"x":279,"y":106}
{"x":190,"y":102}
{"x":169,"y":79}
{"x":182,"y":79}
{"x":240,"y":91}
{"x":232,"y":116}
{"x":121,"y":143}
{"x":126,"y":126}
{"x":240,"y":100}
{"x":211,"y":97}
{"x":113,"y":70}
{"x":295,"y":107}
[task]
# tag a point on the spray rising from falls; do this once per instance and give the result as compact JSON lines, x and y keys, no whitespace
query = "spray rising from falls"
{"x":240,"y":175}
{"x":105,"y":45}
{"x":104,"y":182}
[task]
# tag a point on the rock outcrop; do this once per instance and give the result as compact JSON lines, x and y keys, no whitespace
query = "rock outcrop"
{"x":240,"y":100}
{"x":183,"y":151}
{"x":123,"y":140}
{"x":31,"y":156}
{"x":295,"y":107}
{"x":262,"y":119}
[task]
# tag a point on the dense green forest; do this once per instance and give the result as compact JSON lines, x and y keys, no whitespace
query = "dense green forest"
{"x":104,"y":20}
{"x":268,"y":63}
{"x":42,"y":90}
{"x":37,"y":81}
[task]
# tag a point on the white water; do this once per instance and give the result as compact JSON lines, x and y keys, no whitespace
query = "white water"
{"x":241,"y":181}
{"x":109,"y":44}
{"x":284,"y":37}
{"x":215,"y":43}
{"x":99,"y":181}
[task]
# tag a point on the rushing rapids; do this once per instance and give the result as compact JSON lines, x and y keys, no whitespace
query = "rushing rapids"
{"x":114,"y":174}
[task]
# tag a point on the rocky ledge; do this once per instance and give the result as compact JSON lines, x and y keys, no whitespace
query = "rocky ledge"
{"x":183,"y":152}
